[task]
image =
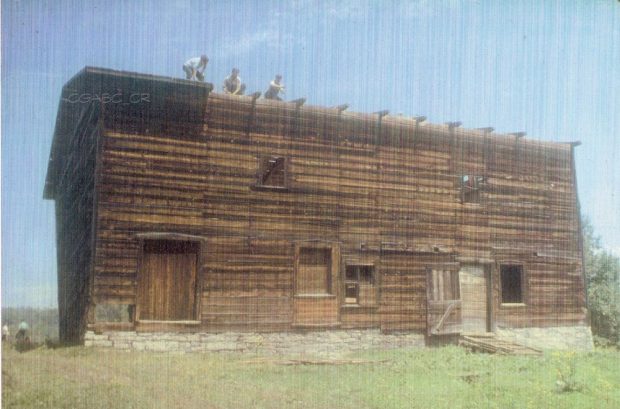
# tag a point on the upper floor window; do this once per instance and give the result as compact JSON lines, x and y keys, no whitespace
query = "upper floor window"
{"x":272,"y":172}
{"x":471,"y":185}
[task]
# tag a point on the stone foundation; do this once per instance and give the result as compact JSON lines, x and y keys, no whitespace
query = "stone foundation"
{"x":578,"y":338}
{"x":320,"y":343}
{"x":323,"y":343}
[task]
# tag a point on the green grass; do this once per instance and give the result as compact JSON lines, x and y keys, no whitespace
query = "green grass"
{"x":436,"y":378}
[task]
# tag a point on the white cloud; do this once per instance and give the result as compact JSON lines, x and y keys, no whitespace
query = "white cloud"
{"x":270,"y":36}
{"x":427,"y":8}
{"x":349,"y":10}
{"x":353,"y":10}
{"x":358,"y":10}
{"x":416,"y":9}
{"x":274,"y":35}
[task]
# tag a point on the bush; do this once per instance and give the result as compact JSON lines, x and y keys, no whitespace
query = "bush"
{"x":603,"y":285}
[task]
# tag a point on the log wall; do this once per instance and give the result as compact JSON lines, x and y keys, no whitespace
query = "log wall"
{"x":383,"y":191}
{"x":386,"y":191}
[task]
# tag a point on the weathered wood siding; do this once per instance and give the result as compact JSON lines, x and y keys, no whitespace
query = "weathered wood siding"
{"x":534,"y":222}
{"x":382,"y":191}
{"x":352,"y":180}
{"x":74,"y":219}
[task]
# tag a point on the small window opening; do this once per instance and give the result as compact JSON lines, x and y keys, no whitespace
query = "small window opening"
{"x":356,"y":275}
{"x":351,"y":274}
{"x":272,"y":172}
{"x":512,"y":284}
{"x":470,"y":188}
{"x":351,"y":293}
{"x":114,"y":312}
{"x":365,"y":274}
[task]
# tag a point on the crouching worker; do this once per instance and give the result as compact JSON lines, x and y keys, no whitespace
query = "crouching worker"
{"x":275,"y":87}
{"x":232,"y":83}
{"x":22,"y":339}
{"x":195,"y":67}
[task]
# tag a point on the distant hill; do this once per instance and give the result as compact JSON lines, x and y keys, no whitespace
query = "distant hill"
{"x":43,"y":322}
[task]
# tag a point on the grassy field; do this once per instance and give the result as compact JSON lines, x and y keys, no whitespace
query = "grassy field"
{"x":446,"y":377}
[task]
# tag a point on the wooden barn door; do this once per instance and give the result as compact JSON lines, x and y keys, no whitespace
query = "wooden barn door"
{"x":315,"y":301}
{"x":167,"y":282}
{"x":443,"y":300}
{"x":474,"y":298}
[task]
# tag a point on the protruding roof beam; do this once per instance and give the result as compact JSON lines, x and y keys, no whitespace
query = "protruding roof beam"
{"x":299,"y":102}
{"x":574,"y":144}
{"x":252,"y":114}
{"x":420,"y":118}
{"x":455,"y":124}
{"x":487,"y":129}
{"x":382,"y":113}
{"x":518,"y":134}
{"x":255,"y":95}
{"x":341,"y":108}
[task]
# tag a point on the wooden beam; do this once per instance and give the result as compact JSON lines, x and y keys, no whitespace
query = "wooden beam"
{"x":382,"y":113}
{"x":255,"y":96}
{"x":487,"y":129}
{"x":299,"y":102}
{"x":252,"y":114}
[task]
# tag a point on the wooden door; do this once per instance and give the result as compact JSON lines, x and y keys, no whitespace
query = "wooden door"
{"x":315,"y":301}
{"x":313,"y":271}
{"x":443,"y":300}
{"x":474,"y":298}
{"x":167,"y":282}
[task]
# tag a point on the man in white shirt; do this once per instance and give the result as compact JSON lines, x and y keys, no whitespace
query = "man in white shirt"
{"x":232,"y":83}
{"x":275,"y":87}
{"x":195,"y":67}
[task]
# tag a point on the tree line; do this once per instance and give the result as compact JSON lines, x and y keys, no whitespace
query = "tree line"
{"x":602,"y":270}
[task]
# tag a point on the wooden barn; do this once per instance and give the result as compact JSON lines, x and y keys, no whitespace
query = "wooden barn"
{"x":179,"y":209}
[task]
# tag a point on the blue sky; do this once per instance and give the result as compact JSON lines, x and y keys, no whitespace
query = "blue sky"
{"x":551,"y":69}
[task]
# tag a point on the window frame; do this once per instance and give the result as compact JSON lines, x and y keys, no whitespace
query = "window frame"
{"x":259,"y":183}
{"x":125,"y":310}
{"x":357,"y":281}
{"x":333,"y":270}
{"x":471,"y":194}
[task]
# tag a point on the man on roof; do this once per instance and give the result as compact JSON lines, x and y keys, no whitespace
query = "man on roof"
{"x":232,"y":83}
{"x":275,"y":87}
{"x":195,"y":67}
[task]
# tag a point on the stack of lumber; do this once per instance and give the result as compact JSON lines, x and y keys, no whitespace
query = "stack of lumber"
{"x":494,"y":345}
